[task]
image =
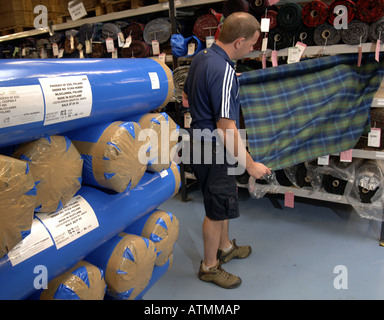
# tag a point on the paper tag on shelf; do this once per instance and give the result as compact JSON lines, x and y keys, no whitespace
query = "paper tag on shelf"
{"x":346,"y":156}
{"x":265,"y":24}
{"x":209,"y":41}
{"x":274,"y":58}
{"x":293,"y":55}
{"x":120,"y":39}
{"x":377,"y":51}
{"x":374,"y":137}
{"x":324,"y":160}
{"x":128,"y":42}
{"x":360,"y":55}
{"x":110,"y":45}
{"x":55,"y":49}
{"x":289,"y":199}
{"x":88,"y":46}
{"x":301,"y":46}
{"x":264,"y":44}
{"x":191,"y":49}
{"x":155,"y":47}
{"x":187,"y":120}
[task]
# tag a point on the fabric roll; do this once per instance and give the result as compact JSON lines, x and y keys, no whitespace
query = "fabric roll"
{"x":111,"y":154}
{"x":137,"y":49}
{"x":375,"y":29}
{"x":333,"y":184}
{"x":367,"y":182}
{"x":289,"y":16}
{"x":279,"y":38}
{"x":128,"y":261}
{"x":85,"y":32}
{"x":272,"y":15}
{"x":206,"y":25}
{"x":326,"y":34}
{"x":57,"y":37}
{"x":56,"y":167}
{"x":304,"y":34}
{"x":257,"y":7}
{"x":157,"y":29}
{"x":162,"y":134}
{"x":179,"y":76}
{"x":356,"y":33}
{"x":315,"y":13}
{"x":369,"y":10}
{"x":231,"y":6}
{"x":98,"y":50}
{"x":110,"y":30}
{"x":82,"y":282}
{"x":162,"y":228}
{"x":67,"y":45}
{"x":135,"y":30}
{"x":349,"y":4}
{"x":17,"y":202}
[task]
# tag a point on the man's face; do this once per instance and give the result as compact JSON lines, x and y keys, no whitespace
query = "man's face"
{"x":245,"y":46}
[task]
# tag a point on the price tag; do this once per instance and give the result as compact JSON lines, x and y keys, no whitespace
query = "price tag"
{"x":324,"y":160}
{"x":72,"y":42}
{"x":128,"y":42}
{"x":346,"y":156}
{"x":377,"y":52}
{"x":301,"y":46}
{"x":155,"y":47}
{"x":360,"y":56}
{"x":289,"y":199}
{"x":23,"y":54}
{"x":187,"y":120}
{"x":209,"y":41}
{"x":374,"y":138}
{"x":81,"y":54}
{"x":265,"y":24}
{"x":120,"y":39}
{"x":55,"y":49}
{"x":114,"y":54}
{"x":274,"y":58}
{"x":61,"y":53}
{"x":264,"y":61}
{"x":264,"y":44}
{"x":191,"y":48}
{"x":293,"y":55}
{"x":110,"y":45}
{"x":88,"y":46}
{"x":162,"y":57}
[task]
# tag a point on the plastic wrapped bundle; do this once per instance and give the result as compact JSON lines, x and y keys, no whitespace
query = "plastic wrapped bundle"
{"x":128,"y":262}
{"x":17,"y":202}
{"x":258,"y":188}
{"x":367,"y":192}
{"x":162,"y":134}
{"x":83,"y":282}
{"x":111,"y":154}
{"x":56,"y":167}
{"x":162,"y":228}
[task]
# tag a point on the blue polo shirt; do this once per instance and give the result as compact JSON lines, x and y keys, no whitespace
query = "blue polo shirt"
{"x":212,"y":88}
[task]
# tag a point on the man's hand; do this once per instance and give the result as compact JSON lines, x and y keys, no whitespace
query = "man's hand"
{"x":258,"y":170}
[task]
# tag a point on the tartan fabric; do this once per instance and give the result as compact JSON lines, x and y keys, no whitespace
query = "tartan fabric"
{"x":297,"y":112}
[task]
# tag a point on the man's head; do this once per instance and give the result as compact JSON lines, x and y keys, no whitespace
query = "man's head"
{"x":239,"y":33}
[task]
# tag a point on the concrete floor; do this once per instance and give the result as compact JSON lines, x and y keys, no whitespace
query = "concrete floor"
{"x":305,"y":252}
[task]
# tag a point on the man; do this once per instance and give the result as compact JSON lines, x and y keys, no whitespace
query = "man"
{"x":212,"y":92}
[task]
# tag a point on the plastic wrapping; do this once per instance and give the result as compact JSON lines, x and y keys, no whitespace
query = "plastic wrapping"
{"x":70,"y":239}
{"x":366,"y":194}
{"x":128,"y":261}
{"x":52,"y":96}
{"x":82,"y":282}
{"x":162,"y":134}
{"x":162,"y":228}
{"x":258,"y":188}
{"x":111,"y":154}
{"x":56,"y":167}
{"x":17,"y":202}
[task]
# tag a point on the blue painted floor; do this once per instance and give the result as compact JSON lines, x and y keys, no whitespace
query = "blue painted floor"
{"x":295,"y":252}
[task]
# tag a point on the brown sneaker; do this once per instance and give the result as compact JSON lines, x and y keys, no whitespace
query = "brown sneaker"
{"x":237,"y":252}
{"x":219,"y":276}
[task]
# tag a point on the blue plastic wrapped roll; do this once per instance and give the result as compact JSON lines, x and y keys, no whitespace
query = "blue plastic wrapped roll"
{"x":51,"y":96}
{"x":17,"y":202}
{"x":160,"y":227}
{"x":111,"y":154}
{"x":56,"y":167}
{"x":128,"y":262}
{"x":90,"y":219}
{"x":82,"y":282}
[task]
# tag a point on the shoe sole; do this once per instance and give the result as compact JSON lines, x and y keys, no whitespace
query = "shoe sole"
{"x":232,"y":286}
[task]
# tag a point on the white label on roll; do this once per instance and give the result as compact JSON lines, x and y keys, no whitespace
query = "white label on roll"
{"x":74,"y":220}
{"x":154,"y":80}
{"x":38,"y":240}
{"x":66,"y":98}
{"x":21,"y":105}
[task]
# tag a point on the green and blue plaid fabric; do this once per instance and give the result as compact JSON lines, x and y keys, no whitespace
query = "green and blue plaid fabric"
{"x":297,"y":112}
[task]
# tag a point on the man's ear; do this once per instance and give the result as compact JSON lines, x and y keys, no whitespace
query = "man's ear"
{"x":238,"y":42}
